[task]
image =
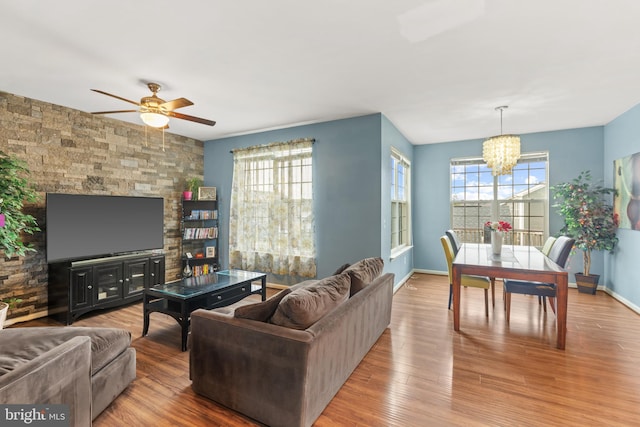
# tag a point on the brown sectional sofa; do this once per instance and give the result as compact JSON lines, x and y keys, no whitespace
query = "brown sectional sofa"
{"x":85,"y":368}
{"x":286,"y":375}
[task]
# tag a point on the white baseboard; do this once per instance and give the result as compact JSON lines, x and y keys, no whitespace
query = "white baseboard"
{"x":26,"y":318}
{"x":402,"y":282}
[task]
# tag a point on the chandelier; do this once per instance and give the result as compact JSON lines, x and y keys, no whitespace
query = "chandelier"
{"x":501,"y":153}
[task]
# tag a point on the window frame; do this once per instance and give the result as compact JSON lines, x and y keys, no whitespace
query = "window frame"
{"x":401,"y":238}
{"x":524,"y":232}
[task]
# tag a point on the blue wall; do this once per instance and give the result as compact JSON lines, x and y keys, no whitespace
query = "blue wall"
{"x":570,"y":152}
{"x":622,"y":138}
{"x":402,"y":265}
{"x":348,"y":187}
{"x":351,"y":184}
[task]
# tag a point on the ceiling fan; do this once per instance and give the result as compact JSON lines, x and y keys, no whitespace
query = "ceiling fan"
{"x":154,"y":111}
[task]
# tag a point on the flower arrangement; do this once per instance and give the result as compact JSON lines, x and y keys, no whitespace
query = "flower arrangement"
{"x":503,"y":226}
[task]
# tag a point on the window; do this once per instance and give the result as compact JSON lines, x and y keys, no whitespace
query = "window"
{"x":520,"y":198}
{"x":271,"y":228}
{"x":400,"y":202}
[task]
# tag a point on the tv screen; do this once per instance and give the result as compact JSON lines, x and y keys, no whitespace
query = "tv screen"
{"x":90,"y":226}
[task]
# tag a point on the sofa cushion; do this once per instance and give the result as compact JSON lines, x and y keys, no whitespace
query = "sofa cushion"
{"x":364,"y":272}
{"x":263,"y":310}
{"x":20,"y":345}
{"x":306,"y":305}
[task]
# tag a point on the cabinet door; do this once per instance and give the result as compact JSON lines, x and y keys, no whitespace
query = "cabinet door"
{"x":156,"y":271}
{"x":136,"y":276}
{"x":108,"y":280}
{"x":81,"y":288}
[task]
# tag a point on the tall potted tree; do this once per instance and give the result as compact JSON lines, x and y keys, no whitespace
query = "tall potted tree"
{"x":14,"y":191}
{"x":589,"y":219}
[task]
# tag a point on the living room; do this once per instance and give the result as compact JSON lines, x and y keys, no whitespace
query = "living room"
{"x":71,"y":151}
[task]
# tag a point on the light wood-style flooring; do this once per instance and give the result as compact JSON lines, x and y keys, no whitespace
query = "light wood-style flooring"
{"x":421,"y":372}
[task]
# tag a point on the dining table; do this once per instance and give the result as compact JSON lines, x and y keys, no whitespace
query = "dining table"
{"x":513,"y":262}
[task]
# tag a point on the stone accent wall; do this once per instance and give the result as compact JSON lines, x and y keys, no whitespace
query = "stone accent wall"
{"x":70,"y":151}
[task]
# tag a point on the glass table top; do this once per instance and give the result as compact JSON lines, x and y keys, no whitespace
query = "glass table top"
{"x":194,"y":286}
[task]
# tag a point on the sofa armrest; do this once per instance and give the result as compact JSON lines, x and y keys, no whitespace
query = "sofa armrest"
{"x":249,"y":366}
{"x":62,"y":375}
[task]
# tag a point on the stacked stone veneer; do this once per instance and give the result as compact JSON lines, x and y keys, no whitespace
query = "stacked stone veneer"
{"x":70,"y":151}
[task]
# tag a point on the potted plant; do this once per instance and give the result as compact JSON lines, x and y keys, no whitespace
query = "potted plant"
{"x":191,"y":188}
{"x":589,"y":219}
{"x":14,"y":191}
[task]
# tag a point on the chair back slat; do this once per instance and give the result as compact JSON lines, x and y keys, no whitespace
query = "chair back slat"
{"x":548,"y":245}
{"x":560,"y":250}
{"x":456,"y":244}
{"x":448,"y":254}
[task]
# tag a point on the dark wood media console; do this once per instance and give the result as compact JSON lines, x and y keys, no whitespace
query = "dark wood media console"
{"x":78,"y":287}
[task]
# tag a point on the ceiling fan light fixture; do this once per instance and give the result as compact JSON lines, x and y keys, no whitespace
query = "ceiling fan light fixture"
{"x":155,"y":120}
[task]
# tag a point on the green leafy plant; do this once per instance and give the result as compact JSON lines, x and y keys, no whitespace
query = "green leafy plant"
{"x":193,"y":184}
{"x":588,"y":217}
{"x":11,"y":302}
{"x":15,"y":190}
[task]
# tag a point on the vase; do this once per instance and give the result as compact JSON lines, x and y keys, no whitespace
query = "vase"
{"x":4,"y":307}
{"x":187,"y":272}
{"x":496,"y":242}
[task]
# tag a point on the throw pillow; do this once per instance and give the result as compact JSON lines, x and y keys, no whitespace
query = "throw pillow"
{"x":263,"y":310}
{"x":340,"y":269}
{"x":364,"y":272}
{"x":306,"y":305}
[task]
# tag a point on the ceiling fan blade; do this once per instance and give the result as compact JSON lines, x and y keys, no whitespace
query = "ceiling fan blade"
{"x":176,"y":103}
{"x":116,"y":96}
{"x":116,"y":111}
{"x":190,"y":118}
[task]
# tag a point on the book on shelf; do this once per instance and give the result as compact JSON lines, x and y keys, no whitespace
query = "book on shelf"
{"x":203,"y":270}
{"x":202,"y":215}
{"x":200,"y":233}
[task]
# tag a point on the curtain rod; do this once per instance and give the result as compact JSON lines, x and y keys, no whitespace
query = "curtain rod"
{"x":312,"y":140}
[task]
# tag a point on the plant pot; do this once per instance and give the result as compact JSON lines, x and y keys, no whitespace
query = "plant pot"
{"x":187,"y":195}
{"x":4,"y":307}
{"x":587,"y":284}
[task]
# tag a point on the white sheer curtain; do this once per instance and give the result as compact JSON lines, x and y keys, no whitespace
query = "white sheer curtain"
{"x":271,"y":226}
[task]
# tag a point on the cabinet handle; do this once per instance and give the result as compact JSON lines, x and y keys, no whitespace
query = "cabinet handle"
{"x":89,"y":287}
{"x":219,"y":297}
{"x":120,"y":281}
{"x":152,"y":274}
{"x":126,"y":280}
{"x":244,"y":289}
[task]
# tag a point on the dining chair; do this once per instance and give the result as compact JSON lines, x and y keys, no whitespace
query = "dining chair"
{"x":456,"y":244}
{"x":546,"y":248}
{"x":559,"y":253}
{"x":548,"y":244}
{"x":465,"y":280}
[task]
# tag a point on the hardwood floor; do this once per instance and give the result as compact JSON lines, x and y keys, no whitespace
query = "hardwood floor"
{"x":422,"y":373}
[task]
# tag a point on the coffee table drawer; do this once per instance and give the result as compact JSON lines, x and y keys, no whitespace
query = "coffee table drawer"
{"x":234,"y":293}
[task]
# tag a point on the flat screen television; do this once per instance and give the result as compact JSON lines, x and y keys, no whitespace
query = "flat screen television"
{"x":92,"y":226}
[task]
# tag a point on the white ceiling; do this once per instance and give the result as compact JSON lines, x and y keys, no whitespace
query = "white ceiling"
{"x":436,"y":69}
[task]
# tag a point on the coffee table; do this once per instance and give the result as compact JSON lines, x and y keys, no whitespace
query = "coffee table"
{"x":180,"y":298}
